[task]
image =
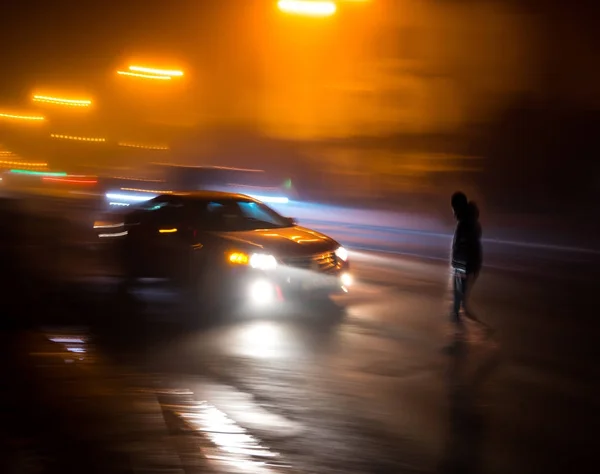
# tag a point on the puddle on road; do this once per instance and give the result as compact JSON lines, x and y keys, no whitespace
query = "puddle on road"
{"x":225,"y":444}
{"x":242,"y":408}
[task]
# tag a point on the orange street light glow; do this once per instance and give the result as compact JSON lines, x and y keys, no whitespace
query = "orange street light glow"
{"x":158,"y":72}
{"x":71,"y":180}
{"x":145,"y":147}
{"x":144,"y":76}
{"x":308,"y":8}
{"x":23,"y":164}
{"x":30,"y":118}
{"x":59,"y":101}
{"x":153,"y":191}
{"x":80,"y":139}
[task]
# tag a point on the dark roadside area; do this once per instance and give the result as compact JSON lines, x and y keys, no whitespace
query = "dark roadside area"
{"x":64,"y":407}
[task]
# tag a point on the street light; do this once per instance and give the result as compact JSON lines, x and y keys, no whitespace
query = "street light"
{"x":25,"y":118}
{"x":158,"y":72}
{"x":77,"y":138}
{"x":144,"y":76}
{"x":151,"y":73}
{"x":60,"y":101}
{"x":143,"y":146}
{"x":308,"y":7}
{"x":23,"y":164}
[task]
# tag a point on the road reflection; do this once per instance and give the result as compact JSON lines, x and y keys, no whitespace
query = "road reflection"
{"x":466,"y":436}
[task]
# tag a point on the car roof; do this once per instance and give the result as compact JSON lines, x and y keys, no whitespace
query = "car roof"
{"x":207,"y":195}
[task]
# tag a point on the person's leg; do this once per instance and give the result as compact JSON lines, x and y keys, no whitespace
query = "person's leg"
{"x":458,"y":286}
{"x":469,"y":282}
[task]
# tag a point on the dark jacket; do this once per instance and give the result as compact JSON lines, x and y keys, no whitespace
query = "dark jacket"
{"x":467,"y":253}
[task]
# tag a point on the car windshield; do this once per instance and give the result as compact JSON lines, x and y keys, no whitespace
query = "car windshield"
{"x":240,"y":215}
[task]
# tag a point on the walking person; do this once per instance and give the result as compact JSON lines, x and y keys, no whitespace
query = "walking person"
{"x":467,"y":258}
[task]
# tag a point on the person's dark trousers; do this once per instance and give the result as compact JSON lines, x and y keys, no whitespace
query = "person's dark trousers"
{"x":462,"y":283}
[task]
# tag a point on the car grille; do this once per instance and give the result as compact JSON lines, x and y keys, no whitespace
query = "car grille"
{"x":322,"y":262}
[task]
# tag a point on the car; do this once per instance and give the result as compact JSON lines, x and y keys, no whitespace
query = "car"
{"x":163,"y":177}
{"x":227,"y":250}
{"x":252,"y":182}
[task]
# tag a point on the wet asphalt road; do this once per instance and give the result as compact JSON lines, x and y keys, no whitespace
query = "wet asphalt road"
{"x":388,"y":388}
{"x":385,"y":389}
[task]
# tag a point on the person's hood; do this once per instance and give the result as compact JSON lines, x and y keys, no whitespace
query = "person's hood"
{"x":469,"y":214}
{"x":473,"y":211}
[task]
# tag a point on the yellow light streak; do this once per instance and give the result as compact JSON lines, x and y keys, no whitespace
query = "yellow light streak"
{"x":146,"y":147}
{"x":24,"y":164}
{"x":167,"y":231}
{"x":30,"y":118}
{"x":144,"y":76}
{"x":308,"y":8}
{"x":126,"y":178}
{"x":152,"y":191}
{"x":79,"y":139}
{"x":60,"y":101}
{"x":158,"y":72}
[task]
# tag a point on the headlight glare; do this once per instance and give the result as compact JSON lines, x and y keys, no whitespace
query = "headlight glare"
{"x":263,"y":261}
{"x":342,"y":254}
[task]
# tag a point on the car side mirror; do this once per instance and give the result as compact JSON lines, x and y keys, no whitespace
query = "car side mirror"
{"x":292,"y":221}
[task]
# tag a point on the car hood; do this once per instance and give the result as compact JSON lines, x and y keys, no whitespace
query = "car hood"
{"x":286,"y":242}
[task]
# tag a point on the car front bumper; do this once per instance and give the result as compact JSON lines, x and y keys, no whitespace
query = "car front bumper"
{"x":255,"y":288}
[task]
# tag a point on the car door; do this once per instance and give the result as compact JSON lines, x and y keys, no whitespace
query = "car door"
{"x":171,"y":238}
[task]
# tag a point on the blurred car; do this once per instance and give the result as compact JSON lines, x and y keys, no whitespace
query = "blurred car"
{"x":166,"y":177}
{"x":227,"y":250}
{"x":252,"y":182}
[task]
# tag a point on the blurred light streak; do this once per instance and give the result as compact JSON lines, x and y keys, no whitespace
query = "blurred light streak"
{"x":60,"y":101}
{"x":27,"y":118}
{"x":79,"y":139}
{"x":23,"y":164}
{"x":139,"y":179}
{"x":118,"y":204}
{"x":145,"y":147}
{"x":228,"y":168}
{"x":167,"y":231}
{"x":270,"y":199}
{"x":108,"y":226}
{"x":127,"y":197}
{"x":144,"y":76}
{"x":116,"y":234}
{"x":7,"y":153}
{"x":79,"y":350}
{"x":159,"y":72}
{"x":308,"y":8}
{"x":39,"y":173}
{"x":68,"y":340}
{"x":71,"y":180}
{"x":153,"y":191}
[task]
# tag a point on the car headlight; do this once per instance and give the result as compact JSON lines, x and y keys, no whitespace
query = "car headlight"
{"x":342,"y":254}
{"x":263,"y":261}
{"x":260,"y":261}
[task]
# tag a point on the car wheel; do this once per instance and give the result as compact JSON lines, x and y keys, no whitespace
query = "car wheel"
{"x":204,"y":305}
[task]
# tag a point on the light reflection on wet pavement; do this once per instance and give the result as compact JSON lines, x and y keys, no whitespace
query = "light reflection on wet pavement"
{"x":382,"y":391}
{"x":223,"y":442}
